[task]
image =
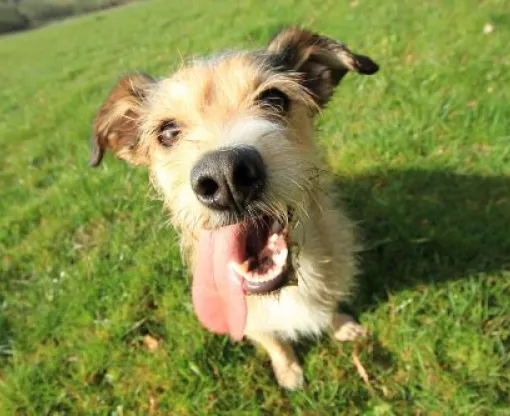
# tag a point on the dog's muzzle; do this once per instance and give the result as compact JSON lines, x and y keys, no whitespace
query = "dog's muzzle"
{"x":229,"y":179}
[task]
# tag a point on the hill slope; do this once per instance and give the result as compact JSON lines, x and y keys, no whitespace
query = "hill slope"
{"x":421,"y":154}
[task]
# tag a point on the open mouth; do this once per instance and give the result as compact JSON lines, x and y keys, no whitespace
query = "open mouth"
{"x":265,"y":266}
{"x":236,"y":261}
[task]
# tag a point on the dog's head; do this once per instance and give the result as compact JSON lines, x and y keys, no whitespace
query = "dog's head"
{"x":228,"y":141}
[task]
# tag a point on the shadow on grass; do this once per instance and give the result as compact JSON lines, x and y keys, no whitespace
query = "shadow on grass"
{"x":423,"y":227}
{"x":419,"y":228}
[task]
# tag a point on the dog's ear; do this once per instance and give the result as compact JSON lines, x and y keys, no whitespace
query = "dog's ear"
{"x":321,"y":61}
{"x":116,"y":126}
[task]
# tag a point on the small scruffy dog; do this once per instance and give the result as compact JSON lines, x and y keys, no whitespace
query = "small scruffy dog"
{"x":229,"y":144}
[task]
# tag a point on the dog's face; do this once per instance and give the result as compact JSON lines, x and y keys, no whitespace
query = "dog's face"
{"x":228,"y":141}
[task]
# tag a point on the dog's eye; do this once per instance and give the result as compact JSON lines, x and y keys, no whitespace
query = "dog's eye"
{"x":276,"y":99}
{"x":168,"y":133}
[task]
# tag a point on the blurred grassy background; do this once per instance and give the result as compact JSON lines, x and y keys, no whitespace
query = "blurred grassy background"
{"x":420,"y":154}
{"x":25,"y":14}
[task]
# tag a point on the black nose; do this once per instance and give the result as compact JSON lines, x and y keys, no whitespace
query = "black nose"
{"x":229,"y":179}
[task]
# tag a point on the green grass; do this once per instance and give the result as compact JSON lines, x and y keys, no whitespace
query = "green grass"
{"x":420,"y":154}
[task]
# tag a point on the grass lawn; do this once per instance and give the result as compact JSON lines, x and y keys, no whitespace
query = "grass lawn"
{"x":421,"y":157}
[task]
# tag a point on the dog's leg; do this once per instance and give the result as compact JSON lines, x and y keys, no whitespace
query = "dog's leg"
{"x":286,"y":367}
{"x":345,"y":328}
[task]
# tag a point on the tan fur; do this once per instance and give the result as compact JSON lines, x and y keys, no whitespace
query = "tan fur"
{"x":214,"y":102}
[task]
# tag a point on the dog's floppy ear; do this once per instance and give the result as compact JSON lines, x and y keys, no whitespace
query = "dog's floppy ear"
{"x":321,"y":61}
{"x":116,"y":125}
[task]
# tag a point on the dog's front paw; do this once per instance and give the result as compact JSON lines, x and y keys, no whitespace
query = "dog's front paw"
{"x":345,"y":328}
{"x":289,"y":374}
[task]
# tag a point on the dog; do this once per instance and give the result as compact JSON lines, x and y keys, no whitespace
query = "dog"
{"x":228,"y":141}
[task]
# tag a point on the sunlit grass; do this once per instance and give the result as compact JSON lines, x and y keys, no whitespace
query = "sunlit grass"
{"x":420,"y":154}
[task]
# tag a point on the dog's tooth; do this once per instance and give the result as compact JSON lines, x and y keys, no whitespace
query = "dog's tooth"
{"x":280,"y":258}
{"x":236,"y":277}
{"x":269,"y":275}
{"x":271,"y":244}
{"x":240,"y":269}
{"x":272,"y":273}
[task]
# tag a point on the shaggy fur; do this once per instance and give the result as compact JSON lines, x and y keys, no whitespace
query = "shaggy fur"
{"x":214,"y":103}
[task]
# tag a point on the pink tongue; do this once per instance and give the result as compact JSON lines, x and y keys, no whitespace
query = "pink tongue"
{"x":218,"y":297}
